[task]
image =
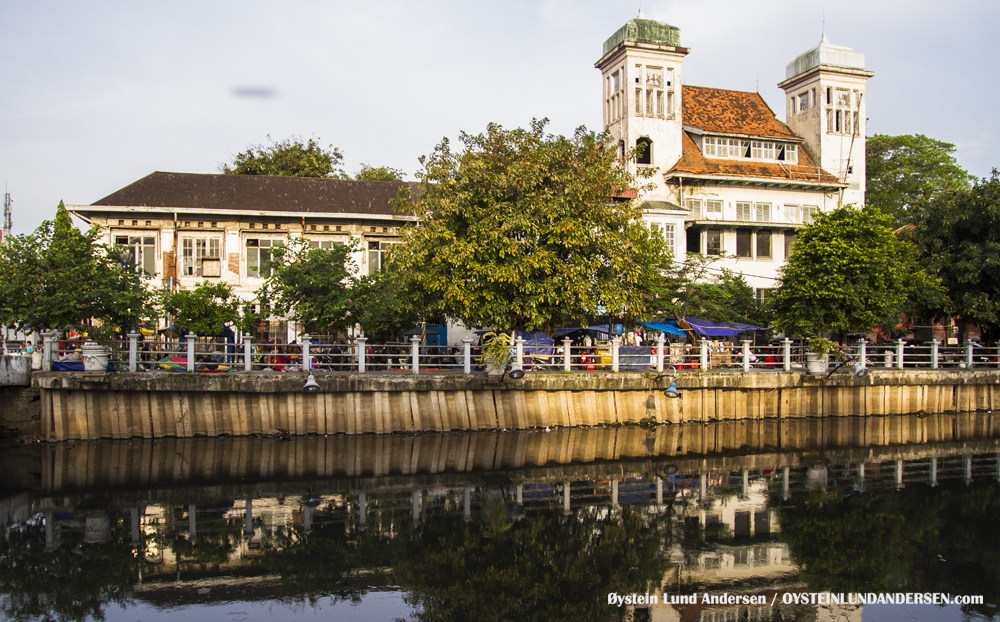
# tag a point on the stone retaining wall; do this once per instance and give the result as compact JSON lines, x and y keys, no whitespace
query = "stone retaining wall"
{"x":155,"y":405}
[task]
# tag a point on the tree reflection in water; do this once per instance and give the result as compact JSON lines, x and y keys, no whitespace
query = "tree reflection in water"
{"x":917,"y":539}
{"x":544,"y":567}
{"x":70,"y":582}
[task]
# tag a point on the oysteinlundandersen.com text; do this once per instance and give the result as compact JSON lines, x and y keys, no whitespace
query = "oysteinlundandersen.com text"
{"x":796,"y":598}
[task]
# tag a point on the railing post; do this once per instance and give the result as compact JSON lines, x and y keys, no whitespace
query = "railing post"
{"x":899,"y":354}
{"x":997,"y":360}
{"x":567,"y":354}
{"x":519,"y":352}
{"x":968,"y":354}
{"x":704,"y":356}
{"x":190,"y":351}
{"x":746,"y":355}
{"x":661,"y":341}
{"x":415,"y":354}
{"x":47,"y":338}
{"x":614,"y":354}
{"x":360,"y":341}
{"x":787,"y":343}
{"x":467,"y":354}
{"x":863,"y":353}
{"x":247,"y":356}
{"x":306,"y":362}
{"x":133,"y":351}
{"x":934,"y":353}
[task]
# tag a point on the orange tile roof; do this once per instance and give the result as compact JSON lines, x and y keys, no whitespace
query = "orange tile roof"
{"x":730,"y":112}
{"x":693,"y":162}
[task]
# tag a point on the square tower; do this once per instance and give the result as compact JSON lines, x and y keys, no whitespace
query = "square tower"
{"x":825,"y":99}
{"x":641,"y":71}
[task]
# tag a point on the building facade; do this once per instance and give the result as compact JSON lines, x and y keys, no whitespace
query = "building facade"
{"x":730,"y":179}
{"x":184,"y":229}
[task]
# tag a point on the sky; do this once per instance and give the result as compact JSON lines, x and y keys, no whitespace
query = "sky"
{"x":96,"y":95}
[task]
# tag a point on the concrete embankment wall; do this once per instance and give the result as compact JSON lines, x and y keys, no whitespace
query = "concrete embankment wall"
{"x":155,"y":405}
{"x":15,"y":371}
{"x":254,"y":466}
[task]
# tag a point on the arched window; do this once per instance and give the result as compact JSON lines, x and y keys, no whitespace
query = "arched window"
{"x":645,"y":147}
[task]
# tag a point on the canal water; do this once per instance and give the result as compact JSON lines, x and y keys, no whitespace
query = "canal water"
{"x":818,"y":519}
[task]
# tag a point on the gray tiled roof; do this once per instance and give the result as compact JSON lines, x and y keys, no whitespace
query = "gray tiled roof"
{"x":258,"y":193}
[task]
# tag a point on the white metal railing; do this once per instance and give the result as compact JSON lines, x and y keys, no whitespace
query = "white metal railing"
{"x":190,"y":353}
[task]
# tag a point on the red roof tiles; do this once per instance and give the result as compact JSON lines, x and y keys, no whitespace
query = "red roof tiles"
{"x":721,"y":111}
{"x":731,"y":112}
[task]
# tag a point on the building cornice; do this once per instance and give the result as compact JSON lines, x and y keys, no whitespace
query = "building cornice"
{"x":140,"y":209}
{"x":765,"y":183}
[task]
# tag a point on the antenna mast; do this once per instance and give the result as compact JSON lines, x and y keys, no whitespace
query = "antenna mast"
{"x":6,"y":225}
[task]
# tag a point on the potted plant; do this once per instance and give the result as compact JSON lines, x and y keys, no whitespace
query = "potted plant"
{"x":816,"y":355}
{"x":495,"y":352}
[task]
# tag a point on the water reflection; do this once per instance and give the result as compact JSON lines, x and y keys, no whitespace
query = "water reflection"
{"x":509,"y":526}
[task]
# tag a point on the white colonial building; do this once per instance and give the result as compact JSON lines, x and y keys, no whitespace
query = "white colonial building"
{"x":184,"y":228}
{"x":731,"y":179}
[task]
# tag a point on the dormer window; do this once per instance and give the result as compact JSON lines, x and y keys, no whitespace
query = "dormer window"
{"x":755,"y":150}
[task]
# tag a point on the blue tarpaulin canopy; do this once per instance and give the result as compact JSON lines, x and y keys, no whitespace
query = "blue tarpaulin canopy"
{"x":663,"y":327}
{"x":536,"y":343}
{"x":708,"y":328}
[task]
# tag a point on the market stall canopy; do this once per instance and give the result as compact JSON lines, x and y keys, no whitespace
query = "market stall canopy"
{"x":708,"y":328}
{"x":664,"y":326}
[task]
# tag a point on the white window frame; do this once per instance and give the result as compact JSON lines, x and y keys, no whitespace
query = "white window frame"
{"x":196,"y":251}
{"x":792,"y":213}
{"x":670,"y":236}
{"x":744,"y":211}
{"x":147,"y":252}
{"x":695,"y":207}
{"x":809,"y":214}
{"x":377,"y":254}
{"x":713,"y":209}
{"x":762,"y":212}
{"x":271,"y":243}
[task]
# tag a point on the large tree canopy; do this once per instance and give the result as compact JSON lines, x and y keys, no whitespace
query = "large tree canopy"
{"x":289,"y":158}
{"x":59,"y":278}
{"x":958,"y":239}
{"x":204,"y":310}
{"x":523,"y":229}
{"x":848,"y":271}
{"x":905,"y":173}
{"x":311,"y":285}
{"x":378,"y":173}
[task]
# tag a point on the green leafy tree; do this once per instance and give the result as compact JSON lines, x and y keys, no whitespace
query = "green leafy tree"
{"x":312,"y":285}
{"x":904,"y":173}
{"x":378,"y":305}
{"x":958,"y":239}
{"x":60,"y":278}
{"x":848,"y":271}
{"x":378,"y":173}
{"x":524,"y":229}
{"x":289,"y":158}
{"x":204,"y":310}
{"x":693,"y":288}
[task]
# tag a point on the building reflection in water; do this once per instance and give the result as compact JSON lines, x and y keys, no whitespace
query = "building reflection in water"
{"x":264,"y":518}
